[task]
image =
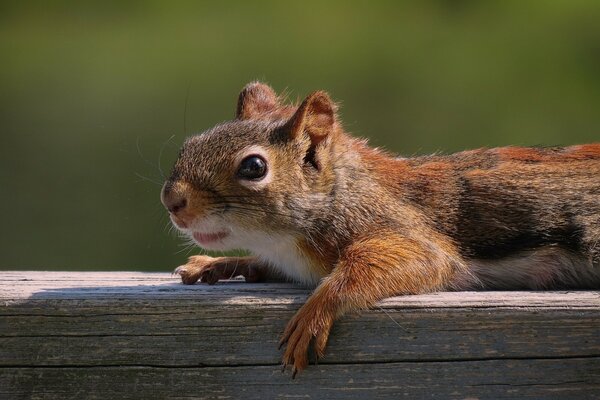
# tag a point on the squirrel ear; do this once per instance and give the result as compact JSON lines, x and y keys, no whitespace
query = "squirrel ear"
{"x":315,"y":116}
{"x":255,"y":99}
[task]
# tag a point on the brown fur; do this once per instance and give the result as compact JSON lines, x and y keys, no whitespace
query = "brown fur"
{"x":362,"y":225}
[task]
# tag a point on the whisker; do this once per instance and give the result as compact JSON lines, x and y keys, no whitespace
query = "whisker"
{"x":160,"y":153}
{"x":187,"y":248}
{"x":144,"y":178}
{"x":251,"y":207}
{"x":233,"y":273}
{"x":139,"y":151}
{"x":240,"y":196}
{"x":187,"y":97}
{"x":168,"y":227}
{"x":146,"y":161}
{"x":392,"y":318}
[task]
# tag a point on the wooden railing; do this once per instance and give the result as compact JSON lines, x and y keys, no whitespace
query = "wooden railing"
{"x":122,"y":335}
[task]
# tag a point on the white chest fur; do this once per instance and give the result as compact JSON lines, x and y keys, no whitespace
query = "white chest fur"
{"x":283,"y":254}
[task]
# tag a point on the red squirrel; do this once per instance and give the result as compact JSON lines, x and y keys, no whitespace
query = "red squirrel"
{"x":317,"y":206}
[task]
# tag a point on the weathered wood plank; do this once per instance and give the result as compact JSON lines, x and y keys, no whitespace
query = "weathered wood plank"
{"x":492,"y":379}
{"x":196,"y":336}
{"x":124,"y":329}
{"x":16,"y":286}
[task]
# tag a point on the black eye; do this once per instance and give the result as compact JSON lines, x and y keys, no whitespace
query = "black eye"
{"x":252,"y":168}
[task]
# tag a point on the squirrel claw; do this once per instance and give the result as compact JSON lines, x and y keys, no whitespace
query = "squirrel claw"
{"x":189,"y":275}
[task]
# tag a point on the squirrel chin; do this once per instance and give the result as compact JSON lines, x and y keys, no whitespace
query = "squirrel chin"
{"x":205,"y":240}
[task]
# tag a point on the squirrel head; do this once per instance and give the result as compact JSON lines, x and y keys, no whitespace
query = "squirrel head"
{"x":269,"y":171}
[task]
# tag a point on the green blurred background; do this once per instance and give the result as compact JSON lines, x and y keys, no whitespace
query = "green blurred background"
{"x":93,"y":98}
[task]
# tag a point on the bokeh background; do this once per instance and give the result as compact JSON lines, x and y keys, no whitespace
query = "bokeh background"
{"x":93,"y":98}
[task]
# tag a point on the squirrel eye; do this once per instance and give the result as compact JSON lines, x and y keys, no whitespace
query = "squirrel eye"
{"x":252,"y":168}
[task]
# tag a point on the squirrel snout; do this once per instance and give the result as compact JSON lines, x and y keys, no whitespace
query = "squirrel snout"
{"x":177,"y":206}
{"x":172,"y":200}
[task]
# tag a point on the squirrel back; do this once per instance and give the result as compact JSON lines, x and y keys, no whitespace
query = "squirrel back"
{"x":529,"y":217}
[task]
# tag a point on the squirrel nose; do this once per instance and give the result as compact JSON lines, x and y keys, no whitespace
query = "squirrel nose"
{"x":173,"y":201}
{"x":179,"y":205}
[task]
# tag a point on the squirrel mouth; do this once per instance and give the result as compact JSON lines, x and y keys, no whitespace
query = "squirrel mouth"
{"x":206,"y":238}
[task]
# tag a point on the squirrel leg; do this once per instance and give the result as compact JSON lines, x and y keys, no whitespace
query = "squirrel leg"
{"x":369,"y":270}
{"x":212,"y":269}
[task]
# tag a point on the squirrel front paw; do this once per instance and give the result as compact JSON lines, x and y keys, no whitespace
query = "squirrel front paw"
{"x":203,"y":268}
{"x":309,"y":323}
{"x":211,"y":270}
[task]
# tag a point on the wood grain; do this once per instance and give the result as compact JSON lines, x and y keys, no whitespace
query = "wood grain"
{"x":140,"y":335}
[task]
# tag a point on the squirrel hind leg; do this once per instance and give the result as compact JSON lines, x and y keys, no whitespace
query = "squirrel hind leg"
{"x":549,"y":267}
